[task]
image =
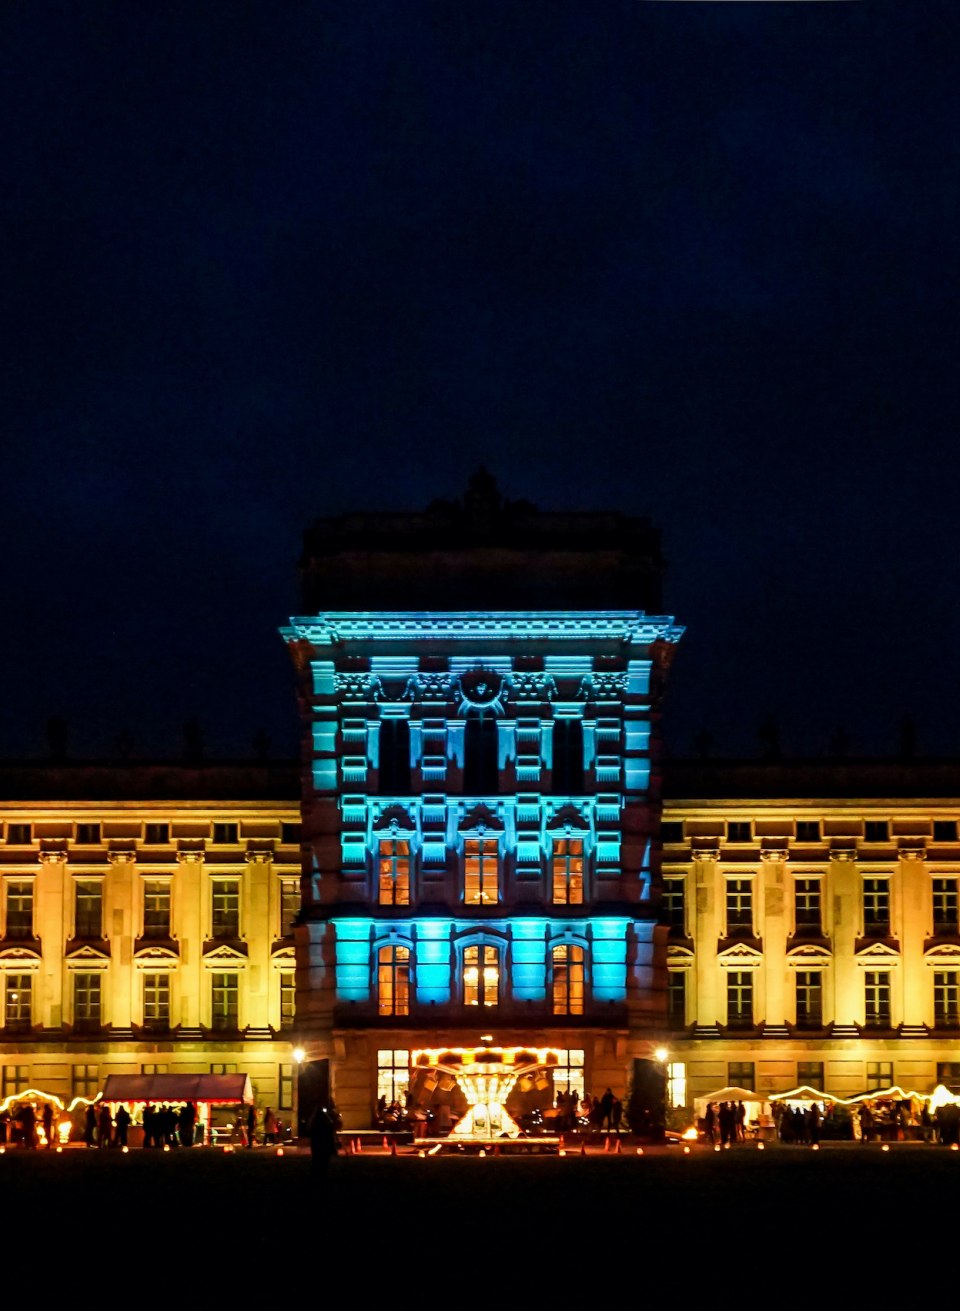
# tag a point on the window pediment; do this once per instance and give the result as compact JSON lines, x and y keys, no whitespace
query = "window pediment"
{"x":740,"y":956}
{"x":222,"y":953}
{"x":25,"y":955}
{"x":878,"y":953}
{"x":946,"y":956}
{"x":679,"y":958}
{"x":481,"y":819}
{"x":567,"y":817}
{"x":88,"y":954}
{"x":807,"y":954}
{"x":155,"y":956}
{"x":394,"y":819}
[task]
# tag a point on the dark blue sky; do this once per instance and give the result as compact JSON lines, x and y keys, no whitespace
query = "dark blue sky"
{"x":264,"y":262}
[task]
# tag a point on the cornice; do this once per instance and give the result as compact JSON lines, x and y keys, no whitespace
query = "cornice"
{"x":631,"y":627}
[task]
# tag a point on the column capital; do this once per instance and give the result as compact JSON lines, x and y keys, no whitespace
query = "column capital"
{"x":258,"y":857}
{"x":705,"y":853}
{"x":843,"y":853}
{"x":775,"y":855}
{"x":50,"y":855}
{"x":189,"y":857}
{"x":122,"y":857}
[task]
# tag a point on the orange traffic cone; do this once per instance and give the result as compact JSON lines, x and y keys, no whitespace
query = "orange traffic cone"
{"x":385,"y":1143}
{"x":583,"y":1148}
{"x":359,"y":1147}
{"x":619,"y":1147}
{"x":606,"y":1143}
{"x":393,"y":1149}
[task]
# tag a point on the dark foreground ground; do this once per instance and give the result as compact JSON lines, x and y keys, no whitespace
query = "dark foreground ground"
{"x":503,"y":1229}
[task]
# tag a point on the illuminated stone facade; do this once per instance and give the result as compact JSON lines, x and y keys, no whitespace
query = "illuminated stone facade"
{"x":813,"y":929}
{"x":147,"y":935}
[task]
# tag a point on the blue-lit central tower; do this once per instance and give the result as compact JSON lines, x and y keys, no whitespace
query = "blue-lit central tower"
{"x":480,"y":805}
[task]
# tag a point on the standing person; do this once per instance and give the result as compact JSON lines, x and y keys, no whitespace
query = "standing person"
{"x":28,"y":1122}
{"x":104,"y":1125}
{"x":187,"y":1119}
{"x":323,"y":1144}
{"x":710,"y":1124}
{"x":814,"y":1125}
{"x":616,"y":1115}
{"x":605,"y":1109}
{"x":48,"y":1124}
{"x":269,"y":1127}
{"x":741,"y":1122}
{"x":89,"y":1125}
{"x":123,"y":1124}
{"x":252,"y":1125}
{"x":149,"y":1125}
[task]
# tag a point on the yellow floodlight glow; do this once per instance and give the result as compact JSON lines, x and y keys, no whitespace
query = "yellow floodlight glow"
{"x":661,"y":1054}
{"x":299,"y":1055}
{"x":690,"y":1134}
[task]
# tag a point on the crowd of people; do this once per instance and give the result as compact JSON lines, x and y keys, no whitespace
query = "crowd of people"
{"x":30,"y":1125}
{"x":726,"y":1120}
{"x":597,"y":1113}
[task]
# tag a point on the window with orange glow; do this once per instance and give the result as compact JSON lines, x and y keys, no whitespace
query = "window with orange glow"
{"x":394,"y":872}
{"x":481,"y":872}
{"x":393,"y":980}
{"x":569,"y":975}
{"x":568,"y":872}
{"x":481,"y":976}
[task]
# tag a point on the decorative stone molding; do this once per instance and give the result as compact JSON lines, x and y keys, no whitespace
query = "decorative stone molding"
{"x":429,"y":685}
{"x":912,"y":850}
{"x":631,"y":627}
{"x":608,"y":684}
{"x":775,"y":854}
{"x":740,"y":956}
{"x":50,"y":857}
{"x":843,"y":853}
{"x":189,"y":856}
{"x":532,"y":685}
{"x":358,"y":685}
{"x":807,"y":955}
{"x":122,"y":857}
{"x":257,"y":856}
{"x":702,"y":852}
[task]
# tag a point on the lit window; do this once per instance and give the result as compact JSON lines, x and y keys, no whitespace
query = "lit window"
{"x":569,"y":973}
{"x":86,"y":999}
{"x":16,"y":1078}
{"x":809,"y":999}
{"x":285,"y":1085}
{"x":288,"y":999}
{"x":393,"y":980}
{"x":674,"y":907}
{"x":945,"y":906}
{"x":18,"y":1001}
{"x":481,"y":976}
{"x":156,"y":909}
{"x":676,"y":1084}
{"x":806,"y":906}
{"x":394,"y":887}
{"x":289,"y":905}
{"x":740,"y":999}
{"x":393,"y":1076}
{"x":879,"y":1075}
{"x":88,"y":907}
{"x":20,"y":910}
{"x":876,"y":908}
{"x":225,"y":1001}
{"x":226,"y":909}
{"x":946,"y":999}
{"x":568,"y":872}
{"x":481,"y":873}
{"x":156,"y":1001}
{"x":84,"y":1081}
{"x":568,"y":1076}
{"x":739,"y":907}
{"x":877,"y":999}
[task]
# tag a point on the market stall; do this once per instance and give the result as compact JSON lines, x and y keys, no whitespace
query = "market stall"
{"x":758,"y":1122}
{"x":218,"y":1099}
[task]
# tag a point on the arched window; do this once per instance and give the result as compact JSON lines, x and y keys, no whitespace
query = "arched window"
{"x":481,"y":976}
{"x":568,"y":872}
{"x":394,"y":872}
{"x":393,"y":980}
{"x":569,"y":976}
{"x":568,"y":757}
{"x":394,"y":757}
{"x":481,"y":775}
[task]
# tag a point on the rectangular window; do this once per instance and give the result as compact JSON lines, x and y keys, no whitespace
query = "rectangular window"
{"x":218,"y":1067}
{"x":86,"y":999}
{"x":157,"y":835}
{"x":877,"y":999}
{"x":290,"y":834}
{"x":226,"y":834}
{"x":808,"y":830}
{"x":946,"y":999}
{"x":226,"y":909}
{"x":289,"y":905}
{"x":393,"y":980}
{"x":569,"y":973}
{"x":18,"y":1001}
{"x":154,"y":1069}
{"x":809,"y":999}
{"x":19,"y":835}
{"x":481,"y":882}
{"x":394,"y":872}
{"x":481,"y":976}
{"x":677,"y":998}
{"x":225,"y":1001}
{"x":806,"y":907}
{"x":742,"y":1074}
{"x":876,"y":908}
{"x":944,"y":830}
{"x":676,"y":1084}
{"x":948,"y":1073}
{"x":156,"y":1001}
{"x":740,"y":999}
{"x":88,"y":835}
{"x":88,"y":908}
{"x":671,"y":830}
{"x":568,"y":872}
{"x":156,"y":909}
{"x":945,"y":905}
{"x":84,"y":1081}
{"x":393,"y":1076}
{"x":568,"y":1073}
{"x":739,"y":830}
{"x":16,"y":1078}
{"x":739,"y":908}
{"x":285,"y":1088}
{"x":674,"y":907}
{"x":876,"y":830}
{"x":810,"y":1075}
{"x":879,"y":1075}
{"x":288,"y":999}
{"x":20,"y":909}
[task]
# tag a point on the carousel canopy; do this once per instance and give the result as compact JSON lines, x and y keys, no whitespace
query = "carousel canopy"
{"x":225,"y":1089}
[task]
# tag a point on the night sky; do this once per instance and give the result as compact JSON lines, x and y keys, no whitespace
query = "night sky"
{"x":263,"y":262}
